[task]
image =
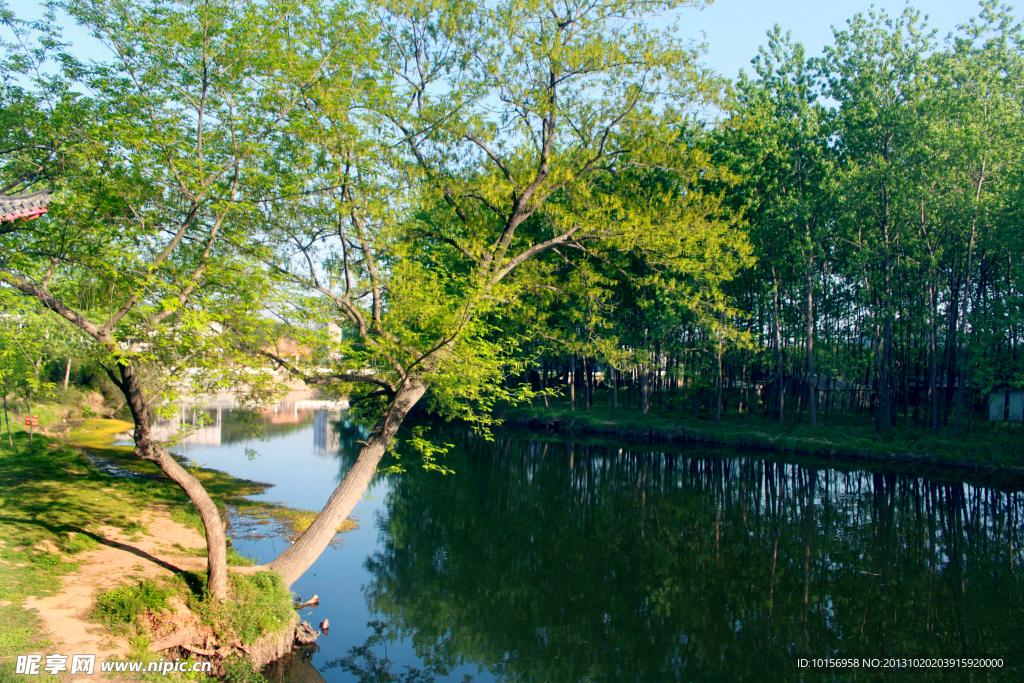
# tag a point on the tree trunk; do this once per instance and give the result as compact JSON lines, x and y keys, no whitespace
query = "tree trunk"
{"x":645,"y":389}
{"x":888,"y":381}
{"x":718,"y":396}
{"x":544,"y":386}
{"x":659,"y":379}
{"x":812,"y":382}
{"x":883,"y":420}
{"x":933,"y":382}
{"x":572,"y":383}
{"x":674,"y":386}
{"x":588,"y":378}
{"x":294,"y":561}
{"x":961,"y":351}
{"x":949,"y":359}
{"x":67,"y":374}
{"x":10,"y":441}
{"x":781,"y":400}
{"x":147,"y":449}
{"x":615,"y":388}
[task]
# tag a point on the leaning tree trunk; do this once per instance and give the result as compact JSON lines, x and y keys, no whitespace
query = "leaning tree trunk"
{"x":147,"y":449}
{"x":294,"y":561}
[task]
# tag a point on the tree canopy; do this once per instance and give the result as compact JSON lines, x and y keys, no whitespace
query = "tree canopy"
{"x":486,"y":202}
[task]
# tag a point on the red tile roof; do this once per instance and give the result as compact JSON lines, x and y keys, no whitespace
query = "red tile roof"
{"x":26,"y":206}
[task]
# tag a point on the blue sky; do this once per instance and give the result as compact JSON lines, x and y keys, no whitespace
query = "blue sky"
{"x":734,"y":28}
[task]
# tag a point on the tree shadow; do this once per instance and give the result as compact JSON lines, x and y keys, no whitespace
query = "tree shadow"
{"x":58,"y":529}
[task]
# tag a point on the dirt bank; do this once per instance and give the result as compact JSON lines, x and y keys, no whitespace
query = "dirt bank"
{"x":119,"y":558}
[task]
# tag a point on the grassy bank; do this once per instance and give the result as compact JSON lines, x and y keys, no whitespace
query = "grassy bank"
{"x":54,"y":503}
{"x":95,"y":435}
{"x":996,"y":446}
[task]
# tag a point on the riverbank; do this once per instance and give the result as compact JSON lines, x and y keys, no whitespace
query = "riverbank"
{"x":993,"y":447}
{"x":71,"y":532}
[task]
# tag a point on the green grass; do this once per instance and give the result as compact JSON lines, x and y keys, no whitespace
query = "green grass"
{"x":51,"y":507}
{"x":120,"y":607}
{"x":987,"y":445}
{"x":260,"y":604}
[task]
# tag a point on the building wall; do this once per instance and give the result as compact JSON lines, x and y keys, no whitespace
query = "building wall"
{"x":997,"y":406}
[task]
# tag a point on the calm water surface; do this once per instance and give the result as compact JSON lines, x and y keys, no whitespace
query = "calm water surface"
{"x":550,"y":561}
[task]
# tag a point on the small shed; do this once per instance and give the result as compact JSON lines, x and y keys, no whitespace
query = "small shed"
{"x":1006,"y":405}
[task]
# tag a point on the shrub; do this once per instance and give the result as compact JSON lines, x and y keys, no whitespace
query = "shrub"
{"x":238,"y":669}
{"x":121,"y":606}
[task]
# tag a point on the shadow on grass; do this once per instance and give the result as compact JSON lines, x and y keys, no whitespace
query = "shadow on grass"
{"x":58,"y":529}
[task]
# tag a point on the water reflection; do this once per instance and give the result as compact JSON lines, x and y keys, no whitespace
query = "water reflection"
{"x":545,"y":561}
{"x":222,"y":422}
{"x":564,"y":562}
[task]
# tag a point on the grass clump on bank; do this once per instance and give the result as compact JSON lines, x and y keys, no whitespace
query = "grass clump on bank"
{"x":120,"y":607}
{"x":260,"y":605}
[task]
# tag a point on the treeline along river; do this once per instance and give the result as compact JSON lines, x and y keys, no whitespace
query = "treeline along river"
{"x":542,"y":560}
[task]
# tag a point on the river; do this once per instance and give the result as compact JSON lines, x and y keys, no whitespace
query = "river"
{"x":546,"y":560}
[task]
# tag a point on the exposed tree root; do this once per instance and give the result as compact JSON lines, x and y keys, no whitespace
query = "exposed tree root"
{"x":268,"y":648}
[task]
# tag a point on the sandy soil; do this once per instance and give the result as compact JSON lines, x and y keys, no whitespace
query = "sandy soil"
{"x":120,"y":558}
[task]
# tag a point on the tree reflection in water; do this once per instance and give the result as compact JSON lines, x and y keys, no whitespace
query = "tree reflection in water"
{"x":363,"y":663}
{"x":546,"y":561}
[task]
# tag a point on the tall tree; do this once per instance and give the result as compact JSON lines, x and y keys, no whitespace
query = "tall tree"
{"x":778,"y":141}
{"x":506,"y":114}
{"x":979,"y":82}
{"x":162,"y":158}
{"x":874,"y":71}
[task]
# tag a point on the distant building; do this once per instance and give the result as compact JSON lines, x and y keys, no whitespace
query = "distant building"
{"x":326,"y":436}
{"x":1006,"y":405}
{"x":333,"y":330}
{"x":288,"y":349}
